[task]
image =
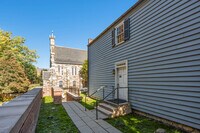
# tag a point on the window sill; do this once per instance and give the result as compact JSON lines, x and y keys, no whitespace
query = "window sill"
{"x":119,"y":44}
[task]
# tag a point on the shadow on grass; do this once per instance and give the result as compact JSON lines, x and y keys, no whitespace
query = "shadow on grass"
{"x":133,"y":123}
{"x":54,"y":119}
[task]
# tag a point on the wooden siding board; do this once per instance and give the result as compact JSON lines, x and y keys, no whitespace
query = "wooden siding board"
{"x":168,"y":111}
{"x":167,"y":40}
{"x":175,"y":97}
{"x":187,"y":111}
{"x":166,"y":70}
{"x":168,"y":100}
{"x":166,"y":115}
{"x":163,"y":55}
{"x":177,"y":65}
{"x":179,"y":88}
{"x":170,"y":92}
{"x":141,"y":51}
{"x":161,"y":19}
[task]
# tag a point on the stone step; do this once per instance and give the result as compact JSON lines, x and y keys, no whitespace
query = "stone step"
{"x":107,"y":106}
{"x":111,"y":103}
{"x":104,"y":111}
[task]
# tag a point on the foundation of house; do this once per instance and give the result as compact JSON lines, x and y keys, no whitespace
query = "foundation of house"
{"x":182,"y":127}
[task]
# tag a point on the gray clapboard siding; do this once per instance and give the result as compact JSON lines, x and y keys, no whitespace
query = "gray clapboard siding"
{"x":163,"y":55}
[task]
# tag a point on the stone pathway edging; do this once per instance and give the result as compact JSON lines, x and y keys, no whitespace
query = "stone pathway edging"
{"x":86,"y":121}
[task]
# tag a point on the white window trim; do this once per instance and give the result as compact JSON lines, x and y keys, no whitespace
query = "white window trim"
{"x":121,"y":23}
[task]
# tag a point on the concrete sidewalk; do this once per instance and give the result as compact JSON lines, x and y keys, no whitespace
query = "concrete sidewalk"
{"x":86,"y":121}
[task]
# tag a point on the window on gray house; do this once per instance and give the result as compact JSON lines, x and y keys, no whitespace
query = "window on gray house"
{"x":121,"y":32}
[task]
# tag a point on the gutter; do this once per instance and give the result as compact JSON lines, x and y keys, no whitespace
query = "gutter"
{"x":116,"y":21}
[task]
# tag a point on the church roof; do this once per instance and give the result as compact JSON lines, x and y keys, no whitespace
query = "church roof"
{"x":65,"y":55}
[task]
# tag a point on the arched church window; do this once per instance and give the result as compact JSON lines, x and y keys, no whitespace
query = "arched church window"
{"x":72,"y":70}
{"x":74,"y":83}
{"x":75,"y":70}
{"x":59,"y":68}
{"x":61,"y":84}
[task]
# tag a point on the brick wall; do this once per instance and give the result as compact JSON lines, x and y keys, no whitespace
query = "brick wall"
{"x":57,"y":95}
{"x":21,"y":114}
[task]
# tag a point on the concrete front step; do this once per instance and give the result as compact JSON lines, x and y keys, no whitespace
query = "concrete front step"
{"x":114,"y":110}
{"x":107,"y":107}
{"x":105,"y":111}
{"x":115,"y":104}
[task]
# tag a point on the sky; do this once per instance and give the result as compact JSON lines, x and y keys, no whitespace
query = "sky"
{"x":72,"y":21}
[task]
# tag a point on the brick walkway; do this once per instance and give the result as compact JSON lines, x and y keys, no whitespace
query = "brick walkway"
{"x":86,"y":121}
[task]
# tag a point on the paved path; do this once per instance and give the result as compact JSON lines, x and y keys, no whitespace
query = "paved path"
{"x":86,"y":121}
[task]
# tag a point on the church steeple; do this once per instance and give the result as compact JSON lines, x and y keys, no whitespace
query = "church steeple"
{"x":52,"y":38}
{"x":52,"y":46}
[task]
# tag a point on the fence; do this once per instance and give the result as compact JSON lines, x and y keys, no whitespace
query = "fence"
{"x":21,"y":114}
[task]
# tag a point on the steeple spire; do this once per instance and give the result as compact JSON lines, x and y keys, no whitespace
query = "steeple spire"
{"x":52,"y":36}
{"x":52,"y":46}
{"x":52,"y":33}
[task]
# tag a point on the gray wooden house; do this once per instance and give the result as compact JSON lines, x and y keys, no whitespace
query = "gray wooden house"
{"x":153,"y":49}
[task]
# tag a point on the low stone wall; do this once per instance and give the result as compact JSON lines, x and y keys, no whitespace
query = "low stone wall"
{"x":72,"y":97}
{"x":21,"y":114}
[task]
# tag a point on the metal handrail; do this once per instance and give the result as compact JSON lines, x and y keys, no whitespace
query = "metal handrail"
{"x":102,"y":87}
{"x":109,"y":94}
{"x":104,"y":97}
{"x":113,"y":91}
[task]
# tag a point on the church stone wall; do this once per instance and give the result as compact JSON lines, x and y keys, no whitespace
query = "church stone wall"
{"x":66,"y":75}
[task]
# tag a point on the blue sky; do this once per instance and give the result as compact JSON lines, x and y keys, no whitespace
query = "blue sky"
{"x":73,"y":21}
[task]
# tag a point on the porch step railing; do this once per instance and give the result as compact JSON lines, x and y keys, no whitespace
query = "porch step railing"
{"x":104,"y":96}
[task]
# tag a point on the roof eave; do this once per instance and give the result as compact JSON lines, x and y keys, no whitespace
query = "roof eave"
{"x":116,"y":21}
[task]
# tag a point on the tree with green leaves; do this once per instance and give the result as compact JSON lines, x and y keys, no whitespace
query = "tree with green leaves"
{"x":84,"y":73}
{"x":16,"y":69}
{"x":31,"y":73}
{"x":12,"y":76}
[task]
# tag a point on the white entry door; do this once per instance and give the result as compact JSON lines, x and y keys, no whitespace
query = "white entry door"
{"x":122,"y":82}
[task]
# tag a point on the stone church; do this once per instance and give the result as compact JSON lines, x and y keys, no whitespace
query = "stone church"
{"x":65,"y":64}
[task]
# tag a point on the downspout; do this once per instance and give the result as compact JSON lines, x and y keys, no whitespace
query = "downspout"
{"x":88,"y":68}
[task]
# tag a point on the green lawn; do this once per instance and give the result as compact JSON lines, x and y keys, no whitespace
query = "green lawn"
{"x":90,"y":103}
{"x":54,"y":119}
{"x":133,"y":123}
